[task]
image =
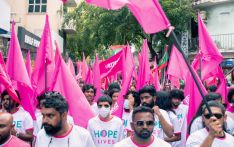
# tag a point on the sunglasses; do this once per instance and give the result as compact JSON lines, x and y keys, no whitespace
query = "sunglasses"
{"x":141,"y":123}
{"x":106,"y":106}
{"x":217,"y":115}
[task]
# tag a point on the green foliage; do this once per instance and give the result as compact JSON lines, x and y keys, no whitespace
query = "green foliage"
{"x":97,"y":29}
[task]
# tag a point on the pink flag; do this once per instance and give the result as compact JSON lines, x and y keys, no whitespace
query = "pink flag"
{"x":191,"y":91}
{"x":124,"y":89}
{"x":18,"y":73}
{"x":71,"y":67}
{"x":108,"y":4}
{"x":208,"y":53}
{"x":28,"y":64}
{"x":89,"y":77}
{"x":176,"y":59}
{"x":222,"y":88}
{"x":84,"y":67}
{"x":65,"y":83}
{"x":112,"y":65}
{"x":44,"y":61}
{"x":97,"y":82}
{"x":5,"y":81}
{"x":144,"y":67}
{"x":149,"y":14}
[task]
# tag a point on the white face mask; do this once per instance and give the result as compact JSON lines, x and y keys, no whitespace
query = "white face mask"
{"x":126,"y":104}
{"x":104,"y":112}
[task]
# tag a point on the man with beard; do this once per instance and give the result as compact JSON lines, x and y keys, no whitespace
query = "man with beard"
{"x":142,"y":124}
{"x":57,"y":131}
{"x":90,"y":92}
{"x":23,"y":123}
{"x":181,"y":111}
{"x":163,"y":125}
{"x":213,"y":135}
{"x":6,"y":139}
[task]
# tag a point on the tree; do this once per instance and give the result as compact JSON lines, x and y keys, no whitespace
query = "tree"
{"x":97,"y":29}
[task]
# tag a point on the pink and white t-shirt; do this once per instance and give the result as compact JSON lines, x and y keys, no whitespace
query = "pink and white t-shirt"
{"x":197,"y":138}
{"x":76,"y":137}
{"x":22,"y":120}
{"x":105,"y":133}
{"x":14,"y":141}
{"x":181,"y":112}
{"x":158,"y":131}
{"x":126,"y":122}
{"x":129,"y":142}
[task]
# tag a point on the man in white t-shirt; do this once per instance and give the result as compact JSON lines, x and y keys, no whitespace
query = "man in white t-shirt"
{"x":105,"y":129}
{"x":57,"y":132}
{"x":181,"y":111}
{"x":142,"y":124}
{"x":90,"y":92}
{"x":22,"y":119}
{"x":163,"y":126}
{"x":213,"y":135}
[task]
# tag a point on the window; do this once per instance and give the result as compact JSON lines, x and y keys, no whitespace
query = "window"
{"x":37,"y":6}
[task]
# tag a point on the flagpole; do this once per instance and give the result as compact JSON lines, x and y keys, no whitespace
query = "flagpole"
{"x":191,"y":71}
{"x":45,"y":76}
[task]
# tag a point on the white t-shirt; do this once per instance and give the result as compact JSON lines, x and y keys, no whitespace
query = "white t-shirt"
{"x":197,"y":125}
{"x":128,"y":142}
{"x":126,"y":122}
{"x":105,"y":134}
{"x":197,"y":138}
{"x":181,"y":112}
{"x":22,"y":120}
{"x":77,"y":137}
{"x":158,"y":131}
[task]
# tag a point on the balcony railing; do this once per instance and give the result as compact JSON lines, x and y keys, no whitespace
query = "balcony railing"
{"x":224,"y":41}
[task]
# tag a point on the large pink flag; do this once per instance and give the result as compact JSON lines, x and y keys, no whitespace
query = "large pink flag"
{"x":108,"y":4}
{"x":18,"y":73}
{"x":222,"y":88}
{"x":44,"y":61}
{"x":89,"y":77}
{"x":209,"y":54}
{"x":144,"y":67}
{"x":65,"y":83}
{"x":85,"y":68}
{"x":5,"y":81}
{"x":71,"y":67}
{"x":97,"y":78}
{"x":149,"y":14}
{"x":28,"y":64}
{"x":112,"y":65}
{"x":177,"y":66}
{"x":192,"y":93}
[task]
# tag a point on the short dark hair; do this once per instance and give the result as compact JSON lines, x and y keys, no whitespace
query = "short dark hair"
{"x":142,"y":109}
{"x":163,"y":101}
{"x":176,"y":93}
{"x":136,"y":97}
{"x":214,"y":104}
{"x":230,"y":94}
{"x":114,"y":85}
{"x":211,"y":96}
{"x":148,"y":89}
{"x":86,"y":87}
{"x":114,"y":90}
{"x":55,"y":100}
{"x":212,"y":88}
{"x":104,"y":98}
{"x":5,"y":92}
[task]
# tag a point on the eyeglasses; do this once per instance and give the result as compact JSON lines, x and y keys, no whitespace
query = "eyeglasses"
{"x":106,"y":106}
{"x":217,"y":115}
{"x":141,"y":123}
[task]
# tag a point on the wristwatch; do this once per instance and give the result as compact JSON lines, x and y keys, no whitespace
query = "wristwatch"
{"x":17,"y":134}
